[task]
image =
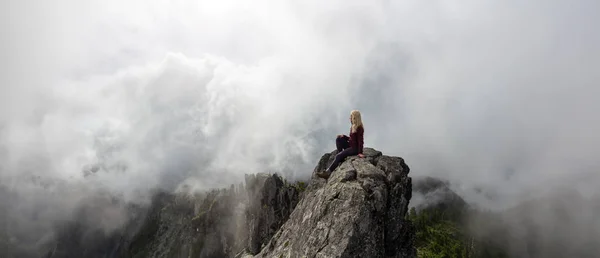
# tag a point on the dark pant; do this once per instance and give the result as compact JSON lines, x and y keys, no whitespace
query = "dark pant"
{"x":346,"y":151}
{"x":342,"y":143}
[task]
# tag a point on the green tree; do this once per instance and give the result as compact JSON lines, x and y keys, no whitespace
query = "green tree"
{"x":440,"y":233}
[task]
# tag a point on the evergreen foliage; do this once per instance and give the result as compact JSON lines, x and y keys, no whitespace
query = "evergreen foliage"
{"x":442,"y":233}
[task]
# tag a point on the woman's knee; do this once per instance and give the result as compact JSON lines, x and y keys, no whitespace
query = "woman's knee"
{"x":339,"y":143}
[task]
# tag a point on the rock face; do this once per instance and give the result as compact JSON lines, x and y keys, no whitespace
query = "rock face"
{"x":270,"y":203}
{"x":358,"y":212}
{"x":223,"y":223}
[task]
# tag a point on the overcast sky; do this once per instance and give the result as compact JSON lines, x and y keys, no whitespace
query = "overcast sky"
{"x":496,"y":95}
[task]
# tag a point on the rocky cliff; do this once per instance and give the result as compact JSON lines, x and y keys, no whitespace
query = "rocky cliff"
{"x":222,"y":223}
{"x":358,"y":212}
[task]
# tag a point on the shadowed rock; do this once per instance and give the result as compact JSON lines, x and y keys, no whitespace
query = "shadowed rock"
{"x":358,"y":212}
{"x":271,"y":201}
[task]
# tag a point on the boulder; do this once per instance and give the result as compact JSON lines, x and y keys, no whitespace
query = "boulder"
{"x":358,"y":212}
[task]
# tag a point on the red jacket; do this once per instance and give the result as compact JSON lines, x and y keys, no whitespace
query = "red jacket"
{"x":357,"y":139}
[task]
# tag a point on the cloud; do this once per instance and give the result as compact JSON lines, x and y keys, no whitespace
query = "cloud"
{"x":126,"y":97}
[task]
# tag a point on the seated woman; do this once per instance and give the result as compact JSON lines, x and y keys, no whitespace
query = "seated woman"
{"x":348,"y":145}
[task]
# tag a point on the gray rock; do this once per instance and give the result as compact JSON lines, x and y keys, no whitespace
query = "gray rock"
{"x":271,"y":202}
{"x":358,"y":212}
{"x":350,"y":175}
{"x":221,"y":223}
{"x":350,"y":218}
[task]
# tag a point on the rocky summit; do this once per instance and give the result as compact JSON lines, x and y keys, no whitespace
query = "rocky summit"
{"x":359,"y":211}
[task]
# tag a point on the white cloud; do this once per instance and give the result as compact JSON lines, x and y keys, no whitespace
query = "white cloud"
{"x":500,"y":94}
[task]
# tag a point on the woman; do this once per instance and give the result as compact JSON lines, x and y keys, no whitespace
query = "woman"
{"x":348,"y":145}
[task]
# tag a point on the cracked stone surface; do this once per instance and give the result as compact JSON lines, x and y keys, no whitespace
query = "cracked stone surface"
{"x":358,"y":212}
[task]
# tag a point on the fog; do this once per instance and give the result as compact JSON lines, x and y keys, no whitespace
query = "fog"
{"x":499,"y":97}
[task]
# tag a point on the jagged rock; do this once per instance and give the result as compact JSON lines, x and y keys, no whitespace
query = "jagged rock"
{"x":399,"y":232}
{"x":165,"y":229}
{"x":350,"y":218}
{"x":271,"y":201}
{"x":358,"y":212}
{"x":220,"y":223}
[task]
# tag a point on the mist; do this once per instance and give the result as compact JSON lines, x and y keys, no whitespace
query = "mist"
{"x":123,"y":98}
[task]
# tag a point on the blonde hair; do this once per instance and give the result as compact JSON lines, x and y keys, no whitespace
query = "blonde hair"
{"x":356,"y":120}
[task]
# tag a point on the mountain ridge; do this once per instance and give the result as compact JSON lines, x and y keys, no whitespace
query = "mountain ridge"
{"x":250,"y":218}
